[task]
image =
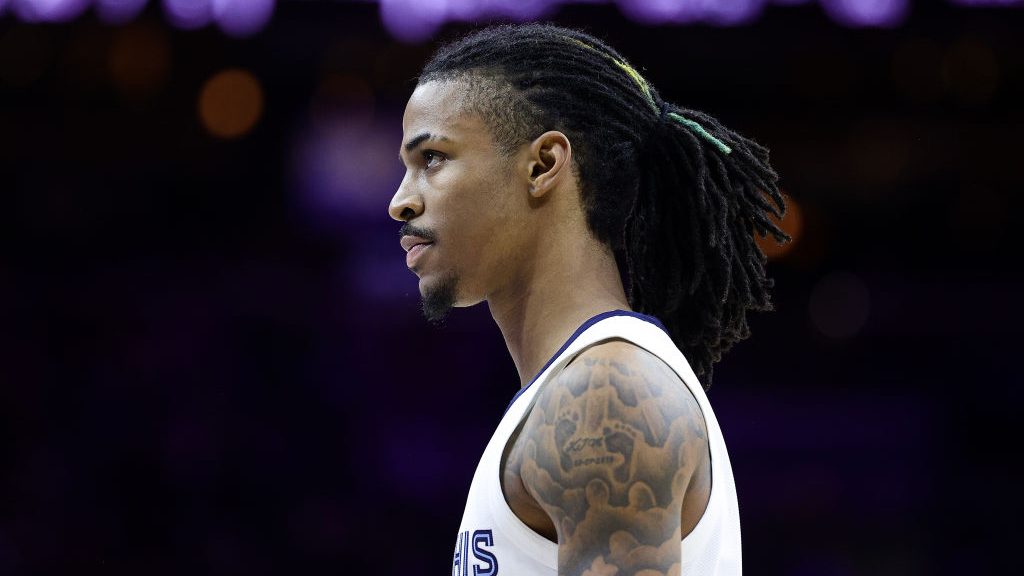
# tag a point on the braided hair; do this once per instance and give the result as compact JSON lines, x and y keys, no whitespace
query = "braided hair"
{"x":674,"y":193}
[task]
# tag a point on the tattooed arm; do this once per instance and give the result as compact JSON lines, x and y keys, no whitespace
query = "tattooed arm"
{"x":608,"y":452}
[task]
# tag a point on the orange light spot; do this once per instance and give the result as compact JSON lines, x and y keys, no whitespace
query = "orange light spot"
{"x":792,"y":223}
{"x":230,"y":103}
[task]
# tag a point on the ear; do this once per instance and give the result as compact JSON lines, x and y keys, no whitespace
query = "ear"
{"x":548,"y":162}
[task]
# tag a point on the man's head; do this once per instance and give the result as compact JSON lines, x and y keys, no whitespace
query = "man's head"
{"x":553,"y":129}
{"x":475,"y":210}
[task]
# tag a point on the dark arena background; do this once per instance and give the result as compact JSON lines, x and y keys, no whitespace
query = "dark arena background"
{"x":212,"y":359}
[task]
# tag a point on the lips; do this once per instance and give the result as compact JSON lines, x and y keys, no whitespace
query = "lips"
{"x":408,"y":242}
{"x":414,"y":254}
{"x":414,"y":246}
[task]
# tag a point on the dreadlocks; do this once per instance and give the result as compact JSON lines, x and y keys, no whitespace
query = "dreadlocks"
{"x":673,"y":192}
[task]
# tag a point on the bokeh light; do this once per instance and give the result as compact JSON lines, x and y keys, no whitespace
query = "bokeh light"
{"x":242,"y":17}
{"x":412,"y":20}
{"x":659,"y":11}
{"x":522,"y":10}
{"x":867,"y":13}
{"x":792,"y":223}
{"x":345,"y":167}
{"x":140,"y":60}
{"x":417,"y":21}
{"x":231,"y":103}
{"x":839,"y":305}
{"x":733,"y":12}
{"x":724,"y":13}
{"x":49,"y":10}
{"x":189,"y":14}
{"x":119,"y":11}
{"x":470,"y":10}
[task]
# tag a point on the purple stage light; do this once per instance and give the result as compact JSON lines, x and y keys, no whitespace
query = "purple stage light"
{"x":660,"y":11}
{"x":242,"y":17}
{"x":49,"y":10}
{"x":521,"y":10}
{"x":873,"y":13}
{"x":346,"y":168}
{"x":717,"y":12}
{"x":119,"y":11}
{"x":732,"y":12}
{"x":466,"y":10}
{"x":473,"y":10}
{"x":525,"y":9}
{"x":412,"y":20}
{"x":189,"y":14}
{"x":417,"y":21}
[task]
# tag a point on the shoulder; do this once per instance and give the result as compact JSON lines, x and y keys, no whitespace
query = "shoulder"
{"x":617,"y":387}
{"x":634,"y":378}
{"x":609,"y":449}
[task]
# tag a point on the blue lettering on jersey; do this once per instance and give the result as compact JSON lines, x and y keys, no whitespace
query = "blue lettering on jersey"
{"x":488,"y":562}
{"x":457,"y":561}
{"x":483,"y":538}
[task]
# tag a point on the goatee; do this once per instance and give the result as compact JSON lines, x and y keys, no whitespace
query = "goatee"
{"x":437,"y":302}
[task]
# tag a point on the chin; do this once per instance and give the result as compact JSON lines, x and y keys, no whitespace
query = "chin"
{"x":439,"y":296}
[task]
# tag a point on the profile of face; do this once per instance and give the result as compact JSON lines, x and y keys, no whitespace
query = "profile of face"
{"x":460,"y":201}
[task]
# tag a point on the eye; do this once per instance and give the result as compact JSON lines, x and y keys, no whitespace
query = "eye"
{"x":429,"y":155}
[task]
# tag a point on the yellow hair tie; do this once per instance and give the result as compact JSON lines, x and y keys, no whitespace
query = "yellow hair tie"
{"x":646,"y":89}
{"x":627,"y":69}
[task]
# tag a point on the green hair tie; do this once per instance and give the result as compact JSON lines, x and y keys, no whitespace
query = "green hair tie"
{"x":692,"y":125}
{"x":646,"y":89}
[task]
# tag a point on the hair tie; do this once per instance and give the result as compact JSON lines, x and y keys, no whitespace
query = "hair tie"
{"x":646,"y":89}
{"x":694,"y":126}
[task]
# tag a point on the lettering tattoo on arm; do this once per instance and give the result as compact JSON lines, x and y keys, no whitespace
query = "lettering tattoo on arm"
{"x":608,"y":452}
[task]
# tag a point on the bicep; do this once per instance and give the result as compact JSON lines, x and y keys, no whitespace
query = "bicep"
{"x":608,"y":453}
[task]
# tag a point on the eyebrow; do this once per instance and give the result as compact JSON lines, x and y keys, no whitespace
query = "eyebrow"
{"x":416,"y":140}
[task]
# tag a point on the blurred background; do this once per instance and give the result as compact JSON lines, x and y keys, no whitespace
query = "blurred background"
{"x":212,"y":358}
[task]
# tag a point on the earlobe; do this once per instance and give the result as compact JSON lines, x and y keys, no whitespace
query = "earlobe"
{"x":549,"y":155}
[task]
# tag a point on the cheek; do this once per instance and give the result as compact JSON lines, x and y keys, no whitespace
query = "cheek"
{"x":475,"y":214}
{"x":475,"y":224}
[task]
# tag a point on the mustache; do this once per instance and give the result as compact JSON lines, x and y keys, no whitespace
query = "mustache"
{"x":408,"y":229}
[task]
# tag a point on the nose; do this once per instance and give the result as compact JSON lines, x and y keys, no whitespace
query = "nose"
{"x":405,"y":205}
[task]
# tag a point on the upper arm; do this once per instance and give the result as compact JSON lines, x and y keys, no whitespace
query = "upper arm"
{"x":608,"y":451}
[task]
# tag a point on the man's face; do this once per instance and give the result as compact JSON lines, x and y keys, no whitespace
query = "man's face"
{"x":460,"y":201}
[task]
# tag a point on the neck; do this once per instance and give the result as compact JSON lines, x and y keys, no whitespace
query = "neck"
{"x":562,"y":290}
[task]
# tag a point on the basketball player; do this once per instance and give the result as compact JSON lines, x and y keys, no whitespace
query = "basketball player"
{"x":611,"y":234}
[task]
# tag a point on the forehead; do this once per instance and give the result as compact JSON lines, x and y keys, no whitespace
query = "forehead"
{"x":439,"y":108}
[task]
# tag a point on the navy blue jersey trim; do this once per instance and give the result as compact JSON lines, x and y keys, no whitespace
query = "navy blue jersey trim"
{"x":576,"y":334}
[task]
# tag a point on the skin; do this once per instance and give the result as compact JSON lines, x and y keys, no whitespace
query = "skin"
{"x":612,"y":463}
{"x":633,"y":476}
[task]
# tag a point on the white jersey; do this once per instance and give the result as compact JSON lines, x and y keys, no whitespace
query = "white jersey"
{"x":493,"y":541}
